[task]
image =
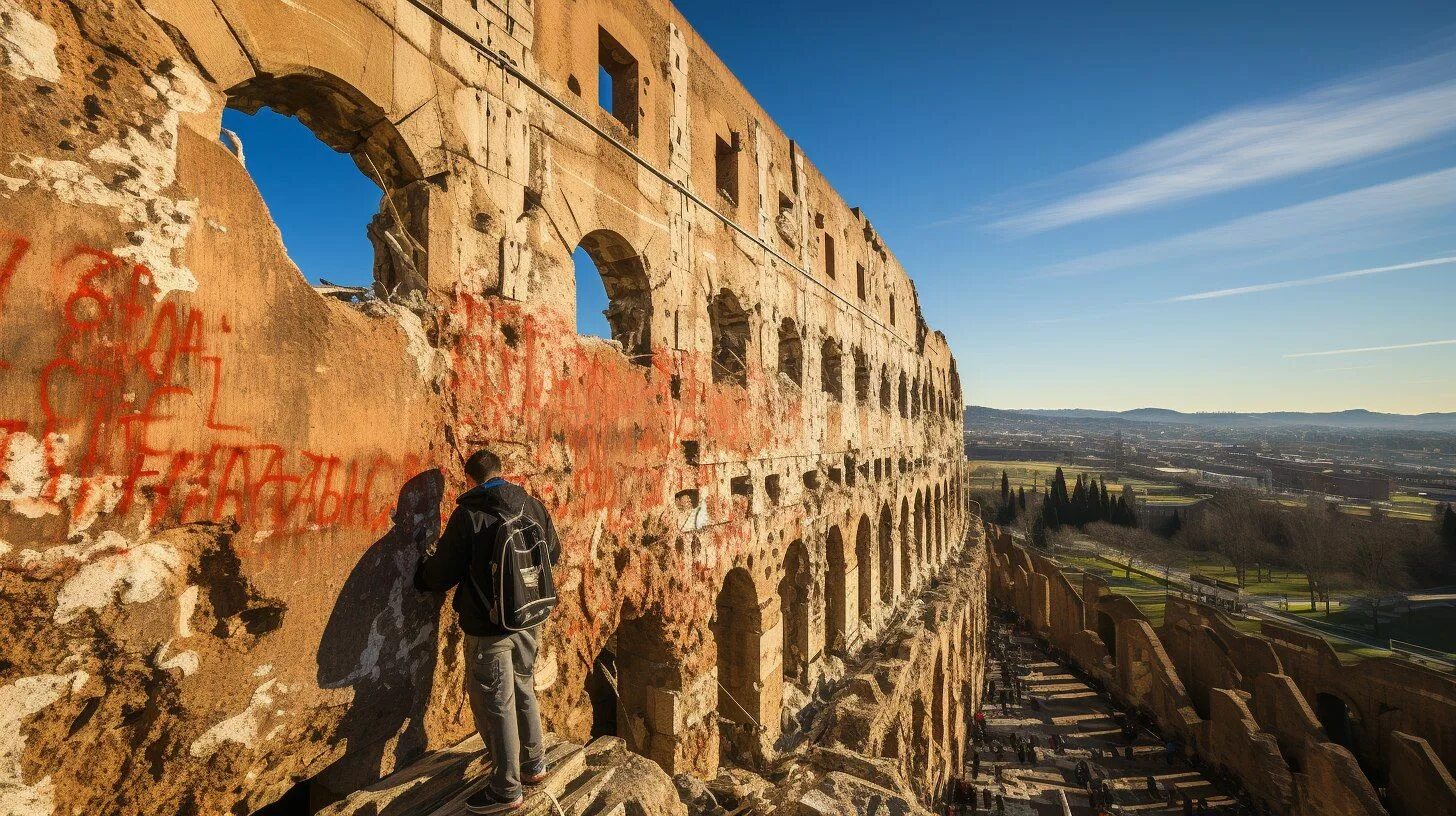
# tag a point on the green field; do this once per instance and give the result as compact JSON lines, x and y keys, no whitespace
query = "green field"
{"x":986,"y":475}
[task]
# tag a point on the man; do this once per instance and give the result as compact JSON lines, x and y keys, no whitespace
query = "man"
{"x":500,"y":663}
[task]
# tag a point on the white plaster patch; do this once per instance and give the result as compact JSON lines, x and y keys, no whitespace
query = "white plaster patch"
{"x":263,"y":670}
{"x":27,"y":474}
{"x":19,"y":700}
{"x":186,"y":605}
{"x":161,"y":223}
{"x":242,"y":727}
{"x":12,"y":184}
{"x":216,"y":226}
{"x":27,"y":46}
{"x":101,"y":495}
{"x":83,"y":551}
{"x":135,"y":575}
{"x":187,"y":661}
{"x":4,"y":548}
{"x":417,"y":343}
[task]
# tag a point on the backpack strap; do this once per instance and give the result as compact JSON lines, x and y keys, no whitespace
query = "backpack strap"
{"x":478,"y":519}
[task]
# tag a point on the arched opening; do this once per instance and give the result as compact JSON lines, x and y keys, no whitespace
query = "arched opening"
{"x":864,"y":550}
{"x":791,"y":352}
{"x":737,"y":630}
{"x":831,"y":369}
{"x":836,"y":618}
{"x":904,"y":397}
{"x":921,"y":745}
{"x":937,"y":705}
{"x":1338,"y":721}
{"x":938,"y":515}
{"x":915,"y":399}
{"x":861,"y":376}
{"x":885,"y":395}
{"x":354,"y":236}
{"x":601,"y":690}
{"x":907,"y":549}
{"x":920,"y":528}
{"x":887,"y":556}
{"x":1107,"y":630}
{"x":728,"y":323}
{"x":613,"y":295}
{"x":794,"y":601}
{"x":644,"y":667}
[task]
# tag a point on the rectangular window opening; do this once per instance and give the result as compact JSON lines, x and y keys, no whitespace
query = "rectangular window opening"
{"x":726,"y":159}
{"x":617,"y":80}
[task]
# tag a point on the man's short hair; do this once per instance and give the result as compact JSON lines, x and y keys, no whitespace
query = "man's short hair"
{"x":482,"y":465}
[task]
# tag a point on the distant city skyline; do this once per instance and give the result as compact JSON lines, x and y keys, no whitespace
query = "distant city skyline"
{"x":1229,"y":207}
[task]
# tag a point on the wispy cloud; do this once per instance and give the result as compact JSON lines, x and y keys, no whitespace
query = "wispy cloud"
{"x":1356,"y":119}
{"x":1314,"y":281}
{"x":1369,"y":349}
{"x":1345,"y":368}
{"x":1356,"y":219}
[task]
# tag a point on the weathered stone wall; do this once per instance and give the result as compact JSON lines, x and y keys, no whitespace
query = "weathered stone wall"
{"x":216,"y":480}
{"x":1235,"y":700}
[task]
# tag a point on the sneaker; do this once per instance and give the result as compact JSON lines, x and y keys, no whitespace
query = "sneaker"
{"x":485,"y":802}
{"x":534,"y":779}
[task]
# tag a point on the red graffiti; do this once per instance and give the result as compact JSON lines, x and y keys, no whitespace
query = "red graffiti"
{"x":132,"y":380}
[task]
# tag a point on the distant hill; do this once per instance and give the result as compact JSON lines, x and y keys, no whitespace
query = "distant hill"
{"x":1354,"y":419}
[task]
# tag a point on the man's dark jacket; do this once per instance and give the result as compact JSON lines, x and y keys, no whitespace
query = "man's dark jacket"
{"x":462,"y":548}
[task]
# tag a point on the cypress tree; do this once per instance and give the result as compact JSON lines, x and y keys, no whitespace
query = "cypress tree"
{"x":1021,"y":497}
{"x":1107,"y":507}
{"x":1078,"y":511}
{"x":1005,"y":488}
{"x":1448,"y":526}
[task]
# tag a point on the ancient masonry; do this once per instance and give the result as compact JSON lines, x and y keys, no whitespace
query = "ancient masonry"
{"x":1276,"y":710}
{"x":216,"y":478}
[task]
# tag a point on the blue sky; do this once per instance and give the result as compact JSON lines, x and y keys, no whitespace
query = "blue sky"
{"x":1230,"y":206}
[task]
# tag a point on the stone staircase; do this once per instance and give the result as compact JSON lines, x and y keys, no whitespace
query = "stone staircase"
{"x":598,"y":779}
{"x":1091,"y":728}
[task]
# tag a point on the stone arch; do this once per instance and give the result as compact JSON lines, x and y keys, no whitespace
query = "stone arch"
{"x":907,"y":548}
{"x":836,"y":594}
{"x":629,"y":292}
{"x":1107,"y":630}
{"x":885,"y":395}
{"x":737,"y":633}
{"x":791,"y":351}
{"x":794,"y":601}
{"x":887,"y":555}
{"x":1340,"y":720}
{"x":865,"y":560}
{"x":937,"y":706}
{"x":904,"y":397}
{"x":645,"y":666}
{"x":920,"y":742}
{"x":919,"y":510}
{"x":346,"y":120}
{"x":728,"y":325}
{"x":939,"y":516}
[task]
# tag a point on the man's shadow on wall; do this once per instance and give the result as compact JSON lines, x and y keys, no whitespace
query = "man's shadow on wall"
{"x":381,"y":640}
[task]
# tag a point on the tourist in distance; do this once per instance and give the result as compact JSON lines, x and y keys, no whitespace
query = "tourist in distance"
{"x":498,"y":548}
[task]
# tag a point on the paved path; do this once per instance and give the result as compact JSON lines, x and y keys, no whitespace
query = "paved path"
{"x":1057,"y":702}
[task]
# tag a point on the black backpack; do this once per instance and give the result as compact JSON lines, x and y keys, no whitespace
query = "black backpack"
{"x":519,"y":593}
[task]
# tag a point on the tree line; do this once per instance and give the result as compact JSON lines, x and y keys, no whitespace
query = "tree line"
{"x":1057,"y":506}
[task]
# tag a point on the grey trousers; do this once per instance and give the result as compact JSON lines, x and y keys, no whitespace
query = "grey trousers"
{"x":500,"y":680}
